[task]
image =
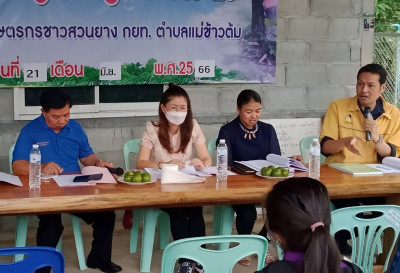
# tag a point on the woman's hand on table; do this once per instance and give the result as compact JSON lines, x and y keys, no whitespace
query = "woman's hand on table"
{"x":180,"y":164}
{"x":198,"y":164}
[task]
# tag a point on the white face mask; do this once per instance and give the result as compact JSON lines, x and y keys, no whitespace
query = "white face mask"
{"x":175,"y":117}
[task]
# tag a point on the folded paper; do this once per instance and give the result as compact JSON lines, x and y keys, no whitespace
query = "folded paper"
{"x":170,"y":174}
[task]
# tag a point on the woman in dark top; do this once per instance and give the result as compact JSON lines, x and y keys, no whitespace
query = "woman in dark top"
{"x":299,"y":218}
{"x":248,"y":138}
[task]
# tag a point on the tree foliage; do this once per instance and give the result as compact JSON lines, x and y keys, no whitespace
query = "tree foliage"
{"x":387,"y":13}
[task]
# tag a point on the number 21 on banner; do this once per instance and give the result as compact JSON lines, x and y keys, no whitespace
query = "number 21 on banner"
{"x":35,"y":72}
{"x":204,"y":68}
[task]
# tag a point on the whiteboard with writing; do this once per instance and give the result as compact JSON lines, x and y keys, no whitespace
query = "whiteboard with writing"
{"x":291,"y":131}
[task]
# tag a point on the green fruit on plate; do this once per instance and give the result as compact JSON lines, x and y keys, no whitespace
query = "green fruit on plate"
{"x":276,"y":173}
{"x":271,"y":167}
{"x":128,"y":176}
{"x":136,"y":177}
{"x":285,"y":173}
{"x":264,"y":171}
{"x":146,"y":177}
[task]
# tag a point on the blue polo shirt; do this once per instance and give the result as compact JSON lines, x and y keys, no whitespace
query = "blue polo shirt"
{"x":64,"y":148}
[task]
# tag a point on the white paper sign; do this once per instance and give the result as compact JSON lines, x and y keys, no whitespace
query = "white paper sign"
{"x":35,"y":72}
{"x":110,"y":71}
{"x":393,"y":217}
{"x":204,"y":68}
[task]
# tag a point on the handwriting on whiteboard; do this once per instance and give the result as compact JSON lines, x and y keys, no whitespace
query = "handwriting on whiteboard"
{"x":291,"y":131}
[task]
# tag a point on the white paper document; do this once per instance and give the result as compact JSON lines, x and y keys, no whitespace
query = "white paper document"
{"x":389,"y":165}
{"x":67,"y":181}
{"x":156,"y":173}
{"x":276,"y":161}
{"x":11,"y":179}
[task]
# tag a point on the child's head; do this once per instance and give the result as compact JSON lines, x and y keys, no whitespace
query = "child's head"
{"x":299,"y":219}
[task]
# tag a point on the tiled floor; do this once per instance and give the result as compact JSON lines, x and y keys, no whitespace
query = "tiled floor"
{"x":129,"y":262}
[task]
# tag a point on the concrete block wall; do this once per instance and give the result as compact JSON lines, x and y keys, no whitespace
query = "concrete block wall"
{"x":318,"y":56}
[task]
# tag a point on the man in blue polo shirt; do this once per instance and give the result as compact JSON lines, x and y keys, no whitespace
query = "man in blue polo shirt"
{"x":62,"y":142}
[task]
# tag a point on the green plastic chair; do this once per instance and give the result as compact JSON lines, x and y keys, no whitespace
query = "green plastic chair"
{"x":213,"y":260}
{"x":22,"y":228}
{"x":36,"y":257}
{"x":149,"y":216}
{"x":223,"y":214}
{"x":305,"y":148}
{"x":369,"y":231}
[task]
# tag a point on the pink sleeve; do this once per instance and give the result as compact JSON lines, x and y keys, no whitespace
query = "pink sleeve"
{"x":148,"y":136}
{"x":197,"y":134}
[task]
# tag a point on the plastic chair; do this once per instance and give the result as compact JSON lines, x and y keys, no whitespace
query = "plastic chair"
{"x":149,"y":217}
{"x":223,"y":214}
{"x":369,"y":231}
{"x":131,"y":146}
{"x":395,"y":267}
{"x":36,"y":257}
{"x":215,"y":261}
{"x":22,"y":228}
{"x":305,"y":149}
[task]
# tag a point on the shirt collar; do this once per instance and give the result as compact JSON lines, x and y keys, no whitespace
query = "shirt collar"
{"x":46,"y":127}
{"x":377,"y":111}
{"x":294,"y":256}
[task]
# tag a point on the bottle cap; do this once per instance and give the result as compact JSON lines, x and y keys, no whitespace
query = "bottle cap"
{"x":35,"y":146}
{"x":222,"y":141}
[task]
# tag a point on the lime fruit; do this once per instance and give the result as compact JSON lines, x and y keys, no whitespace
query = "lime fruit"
{"x":128,"y":176}
{"x":276,"y":173}
{"x":136,"y":177}
{"x":285,"y":173}
{"x":271,"y":167}
{"x":264,"y":171}
{"x":146,"y":177}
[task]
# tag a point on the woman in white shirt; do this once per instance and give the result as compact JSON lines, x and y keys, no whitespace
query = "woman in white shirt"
{"x":171,"y":140}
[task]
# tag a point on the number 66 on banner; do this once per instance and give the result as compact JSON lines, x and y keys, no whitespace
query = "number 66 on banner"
{"x":204,"y":68}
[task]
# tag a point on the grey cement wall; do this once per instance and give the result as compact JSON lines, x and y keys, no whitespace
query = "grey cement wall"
{"x":318,"y":55}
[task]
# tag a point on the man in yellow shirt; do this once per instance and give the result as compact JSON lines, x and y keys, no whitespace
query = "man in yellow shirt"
{"x":343,"y":134}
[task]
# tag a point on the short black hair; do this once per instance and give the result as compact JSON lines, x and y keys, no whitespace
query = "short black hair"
{"x":54,"y":98}
{"x":374,"y":69}
{"x":246,"y":96}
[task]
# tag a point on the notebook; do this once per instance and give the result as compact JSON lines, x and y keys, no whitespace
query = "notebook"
{"x":356,"y":169}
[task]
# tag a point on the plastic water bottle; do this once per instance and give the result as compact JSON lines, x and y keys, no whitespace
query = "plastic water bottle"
{"x":34,"y":167}
{"x":315,"y":158}
{"x":222,"y":160}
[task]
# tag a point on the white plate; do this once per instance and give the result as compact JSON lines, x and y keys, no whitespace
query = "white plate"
{"x":121,"y":179}
{"x":274,"y":177}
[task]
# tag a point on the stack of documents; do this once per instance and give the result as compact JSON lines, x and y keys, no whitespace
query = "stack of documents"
{"x":389,"y":165}
{"x":276,"y":161}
